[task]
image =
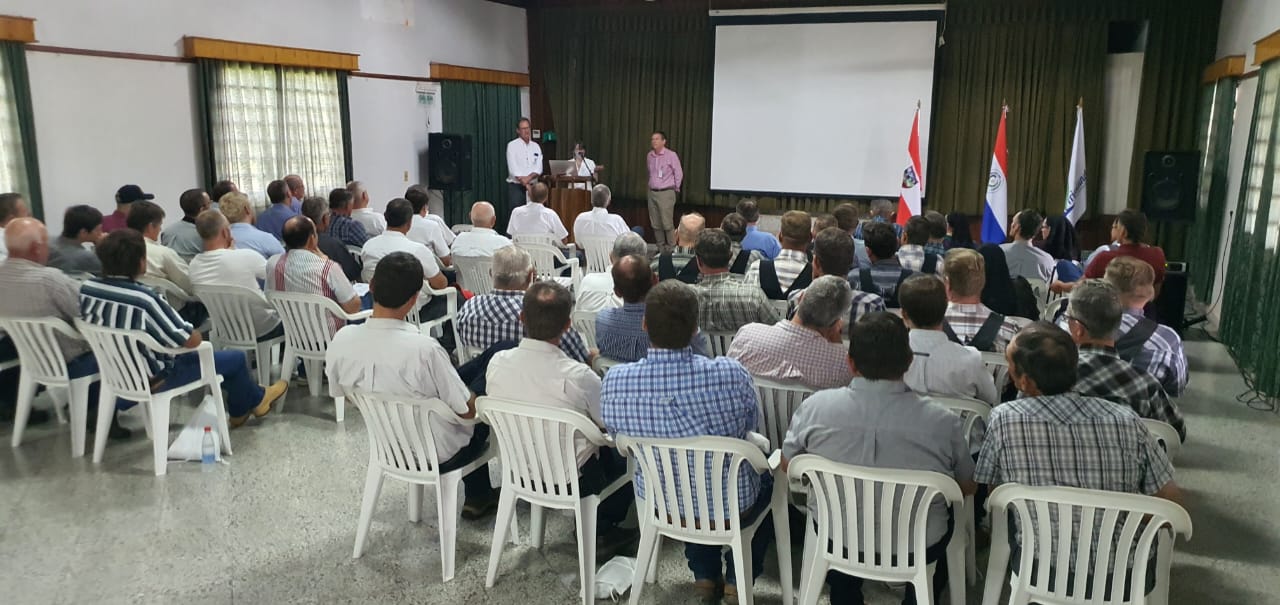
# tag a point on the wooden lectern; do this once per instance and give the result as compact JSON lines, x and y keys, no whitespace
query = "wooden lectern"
{"x":569,"y":201}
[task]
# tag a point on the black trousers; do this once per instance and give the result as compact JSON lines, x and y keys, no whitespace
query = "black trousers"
{"x":476,"y":482}
{"x":595,"y":475}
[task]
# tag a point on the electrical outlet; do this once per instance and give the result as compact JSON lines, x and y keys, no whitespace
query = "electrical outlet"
{"x":406,"y":176}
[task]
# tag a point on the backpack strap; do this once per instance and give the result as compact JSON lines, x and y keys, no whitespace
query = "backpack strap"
{"x":951,"y":334}
{"x":769,"y":281}
{"x":689,"y":272}
{"x":741,"y":262}
{"x":985,"y":339}
{"x":666,"y":268}
{"x":1129,"y":345}
{"x":930,"y":264}
{"x":801,"y":281}
{"x":865,"y":283}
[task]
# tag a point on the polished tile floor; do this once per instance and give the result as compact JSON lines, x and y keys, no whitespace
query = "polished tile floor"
{"x":276,"y":525}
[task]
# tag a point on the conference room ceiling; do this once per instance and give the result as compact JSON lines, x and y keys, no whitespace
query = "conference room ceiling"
{"x":709,"y":4}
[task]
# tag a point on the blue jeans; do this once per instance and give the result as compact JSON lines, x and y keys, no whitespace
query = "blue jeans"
{"x":242,"y":390}
{"x":704,"y":560}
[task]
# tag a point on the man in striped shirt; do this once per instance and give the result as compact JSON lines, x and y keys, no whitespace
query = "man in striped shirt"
{"x":788,"y":268}
{"x":304,"y":269}
{"x":118,"y":301}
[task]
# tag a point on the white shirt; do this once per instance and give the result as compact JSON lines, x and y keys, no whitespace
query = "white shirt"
{"x":942,"y":367}
{"x":394,"y":241}
{"x":586,"y":169}
{"x":164,"y":263}
{"x":232,"y":267}
{"x":595,"y":293}
{"x":4,"y":248}
{"x":597,"y":222}
{"x":374,"y":223}
{"x":479,"y":242}
{"x":1028,"y":261}
{"x":523,"y":159}
{"x":448,"y":233}
{"x":540,"y":373}
{"x":535,"y":219}
{"x":429,"y":233}
{"x":391,"y":357}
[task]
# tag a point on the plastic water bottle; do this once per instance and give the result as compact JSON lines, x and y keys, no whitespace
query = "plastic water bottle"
{"x":208,"y":453}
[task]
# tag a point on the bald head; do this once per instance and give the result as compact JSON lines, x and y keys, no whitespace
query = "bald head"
{"x":483,"y":215}
{"x":691,"y":225}
{"x":27,"y":239}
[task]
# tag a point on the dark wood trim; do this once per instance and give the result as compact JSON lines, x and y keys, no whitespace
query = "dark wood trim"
{"x":1251,"y":74}
{"x":17,"y":29}
{"x":107,"y":54}
{"x":377,"y":76}
{"x":445,"y":72}
{"x":230,"y":50}
{"x":1226,"y":67}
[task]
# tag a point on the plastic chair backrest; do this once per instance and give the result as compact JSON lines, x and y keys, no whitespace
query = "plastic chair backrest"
{"x":1110,"y":524}
{"x":1165,"y":435}
{"x":475,"y":273}
{"x":602,"y":364}
{"x":968,"y":409}
{"x":872,"y":511}
{"x":691,"y":485}
{"x":536,"y":444}
{"x":400,"y":437}
{"x":719,"y":342}
{"x":36,"y":340}
{"x":777,"y":401}
{"x":231,"y":313}
{"x":308,"y":321}
{"x":585,"y":323}
{"x":172,"y":294}
{"x":545,"y":256}
{"x":122,"y":362}
{"x":597,"y":249}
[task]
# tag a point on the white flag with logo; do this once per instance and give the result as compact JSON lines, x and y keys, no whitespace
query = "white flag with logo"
{"x":1077,"y":181}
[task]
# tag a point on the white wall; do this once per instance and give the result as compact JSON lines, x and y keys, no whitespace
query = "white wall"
{"x":82,"y":104}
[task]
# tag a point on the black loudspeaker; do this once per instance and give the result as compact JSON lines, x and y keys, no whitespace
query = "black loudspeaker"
{"x":1170,"y":305}
{"x":1170,"y":183}
{"x":449,"y":162}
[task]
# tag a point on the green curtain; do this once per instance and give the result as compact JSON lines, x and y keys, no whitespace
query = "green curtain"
{"x":487,"y":112}
{"x":1251,"y":292}
{"x":206,"y":91}
{"x":14,"y":55}
{"x":1217,"y":110}
{"x":344,"y":110}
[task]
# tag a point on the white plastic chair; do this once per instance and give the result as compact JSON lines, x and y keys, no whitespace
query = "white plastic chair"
{"x":970,"y":410}
{"x":719,"y":341}
{"x":675,"y":473}
{"x":585,"y":323}
{"x":998,"y":366}
{"x":402,"y":445}
{"x":777,"y":401}
{"x":545,"y":256}
{"x":597,"y":249}
{"x":1112,"y":524}
{"x":881,"y":514}
{"x":126,"y":374}
{"x":539,"y":466}
{"x":1164,"y":434}
{"x":436,"y":326}
{"x":475,"y":273}
{"x":43,"y":363}
{"x":231,"y":313}
{"x":307,"y":331}
{"x":602,"y":364}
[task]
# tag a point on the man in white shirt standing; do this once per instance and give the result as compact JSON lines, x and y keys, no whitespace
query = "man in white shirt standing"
{"x":1026,"y":260}
{"x":481,"y":241}
{"x":221,"y":264}
{"x":524,"y":163}
{"x":598,"y":222}
{"x":596,"y":291}
{"x":534,"y":218}
{"x":428,"y":232}
{"x":374,"y":223}
{"x":940,"y":366}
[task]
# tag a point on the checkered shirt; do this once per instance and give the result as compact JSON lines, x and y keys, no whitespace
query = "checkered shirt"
{"x":911,"y":256}
{"x":787,"y":266}
{"x":787,"y":351}
{"x":936,"y":249}
{"x":491,"y":318}
{"x":1103,"y":374}
{"x":347,"y":230}
{"x":1162,"y":356}
{"x":726,"y":302}
{"x":863,"y":303}
{"x":671,"y":394}
{"x":966,"y":319}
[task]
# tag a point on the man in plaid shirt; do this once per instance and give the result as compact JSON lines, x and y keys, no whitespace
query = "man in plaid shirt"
{"x":725,"y":301}
{"x":341,"y":226}
{"x":1092,"y":318}
{"x":833,"y":254}
{"x":673,"y":393}
{"x":965,"y":274}
{"x":1162,"y":356}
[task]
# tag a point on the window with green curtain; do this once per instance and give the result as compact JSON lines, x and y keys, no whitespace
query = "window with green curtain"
{"x":1217,"y":114}
{"x":19,"y":166}
{"x":262,"y":122}
{"x":1252,"y":289}
{"x":488,"y":113}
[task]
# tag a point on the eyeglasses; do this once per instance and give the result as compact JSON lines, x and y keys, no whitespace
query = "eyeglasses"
{"x":1082,"y":322}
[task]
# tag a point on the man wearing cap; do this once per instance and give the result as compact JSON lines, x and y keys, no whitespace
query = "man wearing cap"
{"x":125,"y":197}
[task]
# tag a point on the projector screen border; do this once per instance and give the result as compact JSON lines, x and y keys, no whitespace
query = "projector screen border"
{"x":798,"y":18}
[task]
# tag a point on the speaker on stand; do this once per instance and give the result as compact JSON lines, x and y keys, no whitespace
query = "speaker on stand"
{"x":1170,"y":184}
{"x":449,"y":168}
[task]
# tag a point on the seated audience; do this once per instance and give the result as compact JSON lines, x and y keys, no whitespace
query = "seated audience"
{"x":492,"y":318}
{"x":304,"y":269}
{"x":912,"y":253}
{"x":389,"y":356}
{"x":598,"y":222}
{"x":676,"y":263}
{"x":124,"y":255}
{"x":958,"y":233}
{"x":220,"y":189}
{"x":755,"y":239}
{"x":221,"y":264}
{"x":968,"y":319}
{"x":1025,"y":260}
{"x":673,"y":393}
{"x":1149,"y":346}
{"x":833,"y":255}
{"x":374,"y":223}
{"x":181,"y":236}
{"x":789,"y":270}
{"x":539,"y":373}
{"x":726,"y":302}
{"x":876,"y":421}
{"x":481,"y":241}
{"x":1129,"y":228}
{"x":1060,"y":243}
{"x":885,"y":273}
{"x":620,"y":331}
{"x":807,"y":348}
{"x":420,"y":193}
{"x":342,"y":227}
{"x":80,"y":225}
{"x":880,"y":211}
{"x":596,"y":290}
{"x":12,"y":206}
{"x":164,"y":263}
{"x":317,"y":209}
{"x":736,"y":227}
{"x":1093,"y":317}
{"x":1010,"y":295}
{"x":235,"y":206}
{"x":534,"y":218}
{"x":281,"y":209}
{"x":398,"y":221}
{"x":846,"y":216}
{"x":426,"y":231}
{"x":941,"y":366}
{"x":937,"y":234}
{"x":297,"y":192}
{"x":125,"y":197}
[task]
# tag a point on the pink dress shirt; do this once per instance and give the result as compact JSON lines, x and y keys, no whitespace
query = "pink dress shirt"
{"x":665,"y":171}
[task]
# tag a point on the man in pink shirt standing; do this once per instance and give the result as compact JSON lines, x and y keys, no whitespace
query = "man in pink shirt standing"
{"x":665,"y":178}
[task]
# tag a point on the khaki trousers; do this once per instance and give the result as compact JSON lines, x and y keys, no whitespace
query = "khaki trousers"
{"x":662,"y":208}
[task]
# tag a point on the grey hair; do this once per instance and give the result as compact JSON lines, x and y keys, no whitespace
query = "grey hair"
{"x":600,"y":196}
{"x":627,"y":244}
{"x":511,"y":267}
{"x":826,"y":301}
{"x":1095,"y":303}
{"x":882,"y":207}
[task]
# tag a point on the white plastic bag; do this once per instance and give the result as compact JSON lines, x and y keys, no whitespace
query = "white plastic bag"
{"x":189,"y":442}
{"x":613,"y":579}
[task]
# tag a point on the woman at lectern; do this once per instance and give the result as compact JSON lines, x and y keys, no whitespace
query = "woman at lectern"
{"x":582,"y":166}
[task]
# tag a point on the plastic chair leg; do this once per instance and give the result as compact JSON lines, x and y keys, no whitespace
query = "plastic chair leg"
{"x":743,"y":572}
{"x":415,"y":502}
{"x":815,"y":575}
{"x":262,"y":358}
{"x":957,"y":565}
{"x":106,"y":403}
{"x":447,"y":508}
{"x":79,"y":409}
{"x":644,"y":560}
{"x":26,"y":393}
{"x":506,"y":512}
{"x":586,"y":522}
{"x":59,"y":398}
{"x":288,"y":367}
{"x":971,"y":547}
{"x":537,"y":521}
{"x":145,"y":406}
{"x":339,"y":408}
{"x":160,"y":433}
{"x":782,"y":534}
{"x":372,"y":488}
{"x":315,"y":376}
{"x":924,"y":586}
{"x":997,"y":564}
{"x":652,"y":576}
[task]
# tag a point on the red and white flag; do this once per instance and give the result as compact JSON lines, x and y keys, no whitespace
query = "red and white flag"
{"x":912,"y":177}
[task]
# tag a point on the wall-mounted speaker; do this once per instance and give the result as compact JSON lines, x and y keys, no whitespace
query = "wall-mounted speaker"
{"x":1170,"y":184}
{"x":449,"y":162}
